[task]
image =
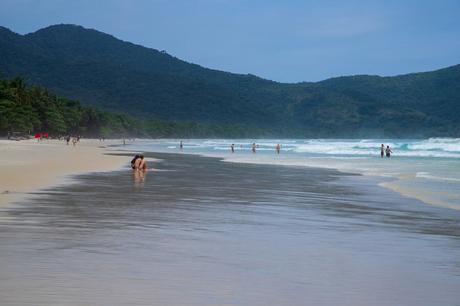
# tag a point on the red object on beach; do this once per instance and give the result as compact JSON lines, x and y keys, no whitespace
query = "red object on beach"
{"x":38,"y":135}
{"x":45,"y":135}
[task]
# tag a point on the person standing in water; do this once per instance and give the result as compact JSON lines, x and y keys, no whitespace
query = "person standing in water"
{"x":278,"y":148}
{"x":388,"y":151}
{"x":382,"y":151}
{"x":181,"y":146}
{"x":253,"y":147}
{"x":232,"y":147}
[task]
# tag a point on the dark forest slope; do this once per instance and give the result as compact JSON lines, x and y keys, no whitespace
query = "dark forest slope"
{"x":100,"y":70}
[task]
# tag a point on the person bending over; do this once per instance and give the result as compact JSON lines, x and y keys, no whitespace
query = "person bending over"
{"x":142,"y":164}
{"x":133,"y":161}
{"x":139,"y":162}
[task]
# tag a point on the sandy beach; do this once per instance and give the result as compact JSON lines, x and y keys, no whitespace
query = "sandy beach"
{"x":226,"y":234}
{"x":28,"y":165}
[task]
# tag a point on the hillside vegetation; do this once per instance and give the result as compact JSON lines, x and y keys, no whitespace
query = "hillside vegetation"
{"x":100,"y":70}
{"x":34,"y":110}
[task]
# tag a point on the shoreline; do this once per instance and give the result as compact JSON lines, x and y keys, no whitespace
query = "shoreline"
{"x":388,"y":182}
{"x":293,"y":230}
{"x":29,"y":166}
{"x":53,"y":163}
{"x":385,"y":182}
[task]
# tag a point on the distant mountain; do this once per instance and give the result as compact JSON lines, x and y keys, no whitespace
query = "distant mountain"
{"x":101,"y":70}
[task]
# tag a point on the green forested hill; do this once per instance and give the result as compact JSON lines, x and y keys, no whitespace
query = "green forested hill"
{"x":35,"y":109}
{"x":30,"y":110}
{"x":102,"y":71}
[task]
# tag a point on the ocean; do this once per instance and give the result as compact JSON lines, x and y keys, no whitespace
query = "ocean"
{"x":427,"y":169}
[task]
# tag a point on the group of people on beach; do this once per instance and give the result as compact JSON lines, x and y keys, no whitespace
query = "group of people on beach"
{"x":68,"y":138}
{"x":74,"y":139}
{"x":385,"y":151}
{"x":254,"y":148}
{"x":138,"y":163}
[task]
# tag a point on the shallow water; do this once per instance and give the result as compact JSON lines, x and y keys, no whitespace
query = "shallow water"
{"x":198,"y":231}
{"x":428,"y":170}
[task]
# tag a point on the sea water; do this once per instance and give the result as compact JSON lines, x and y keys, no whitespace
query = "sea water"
{"x":425,"y":169}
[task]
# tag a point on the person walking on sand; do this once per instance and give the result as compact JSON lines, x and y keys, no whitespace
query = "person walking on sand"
{"x":382,"y":151}
{"x":278,"y":148}
{"x":74,"y":141}
{"x":388,"y":151}
{"x":232,"y":147}
{"x":67,"y":139}
{"x":254,"y":147}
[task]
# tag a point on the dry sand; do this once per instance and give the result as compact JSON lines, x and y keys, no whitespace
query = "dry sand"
{"x":27,"y":166}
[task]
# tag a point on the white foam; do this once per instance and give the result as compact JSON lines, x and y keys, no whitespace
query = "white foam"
{"x":428,"y":176}
{"x":427,"y":163}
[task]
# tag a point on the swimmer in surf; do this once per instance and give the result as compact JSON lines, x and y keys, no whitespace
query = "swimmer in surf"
{"x":388,"y":151}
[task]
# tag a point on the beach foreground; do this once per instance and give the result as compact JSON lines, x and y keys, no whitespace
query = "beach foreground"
{"x":199,"y":231}
{"x":28,"y":165}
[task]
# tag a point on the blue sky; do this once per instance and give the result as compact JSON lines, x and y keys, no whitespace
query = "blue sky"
{"x":287,"y":41}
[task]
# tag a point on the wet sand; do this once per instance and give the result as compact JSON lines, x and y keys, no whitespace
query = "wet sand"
{"x":199,"y":231}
